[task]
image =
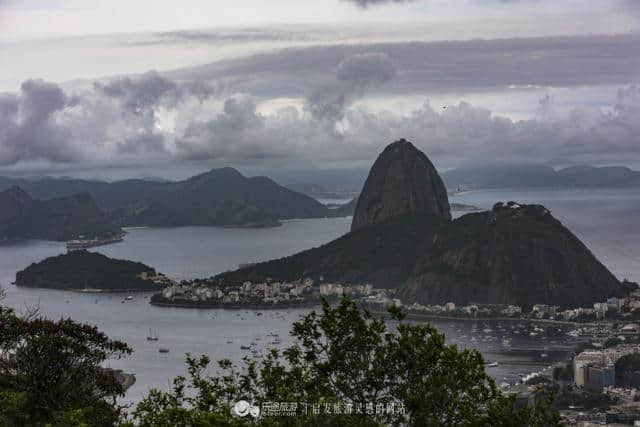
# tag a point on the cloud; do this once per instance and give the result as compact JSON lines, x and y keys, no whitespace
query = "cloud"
{"x":353,"y":76}
{"x":366,"y":3}
{"x":461,"y":134}
{"x":29,"y":126}
{"x":161,"y":119}
{"x":430,"y":67}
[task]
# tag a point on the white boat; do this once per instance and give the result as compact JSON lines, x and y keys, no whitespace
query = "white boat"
{"x":129,"y":298}
{"x":492,"y":364}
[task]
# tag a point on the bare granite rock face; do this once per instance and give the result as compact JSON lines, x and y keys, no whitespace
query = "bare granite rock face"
{"x":402,"y":182}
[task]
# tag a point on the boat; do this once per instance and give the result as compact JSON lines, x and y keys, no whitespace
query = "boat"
{"x":129,"y":298}
{"x":492,"y":364}
{"x":245,"y":347}
{"x":152,"y":337}
{"x":229,"y":341}
{"x":163,"y":350}
{"x":544,"y":355}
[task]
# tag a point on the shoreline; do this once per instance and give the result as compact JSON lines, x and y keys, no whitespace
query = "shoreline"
{"x":416,"y":316}
{"x":237,"y":306}
{"x":92,"y":291}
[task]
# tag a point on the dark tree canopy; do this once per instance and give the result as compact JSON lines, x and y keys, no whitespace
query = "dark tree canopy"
{"x":50,"y":373}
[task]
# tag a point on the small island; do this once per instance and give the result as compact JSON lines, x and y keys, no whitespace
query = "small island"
{"x":91,"y":272}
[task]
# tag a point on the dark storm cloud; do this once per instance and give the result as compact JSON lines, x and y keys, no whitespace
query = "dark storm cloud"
{"x":353,"y":76}
{"x":28,"y":124}
{"x":366,"y":3}
{"x":150,"y":89}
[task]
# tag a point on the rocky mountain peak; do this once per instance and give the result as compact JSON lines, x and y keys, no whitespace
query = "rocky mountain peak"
{"x":402,"y":181}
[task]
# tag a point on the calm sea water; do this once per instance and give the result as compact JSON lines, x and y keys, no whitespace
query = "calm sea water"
{"x":606,"y":220}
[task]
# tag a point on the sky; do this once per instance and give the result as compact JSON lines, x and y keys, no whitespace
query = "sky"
{"x":116,"y":89}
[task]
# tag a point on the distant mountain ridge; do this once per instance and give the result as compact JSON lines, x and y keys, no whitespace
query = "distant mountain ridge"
{"x":63,"y":218}
{"x":528,"y":175}
{"x":220,"y":197}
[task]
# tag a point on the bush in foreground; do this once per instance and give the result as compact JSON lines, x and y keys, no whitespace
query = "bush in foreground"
{"x":50,"y":373}
{"x":346,"y":368}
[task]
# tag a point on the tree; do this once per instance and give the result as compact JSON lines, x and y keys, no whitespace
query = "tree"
{"x":356,"y":370}
{"x":50,"y":373}
{"x":628,"y":370}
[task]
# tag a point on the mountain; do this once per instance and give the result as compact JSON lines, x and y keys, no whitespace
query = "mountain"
{"x":529,"y":175}
{"x":220,"y":197}
{"x":513,"y":254}
{"x":402,"y":181}
{"x":88,"y":270}
{"x":60,"y":219}
{"x":500,"y":176}
{"x":223,"y":197}
{"x":589,"y":176}
{"x":318,"y":191}
{"x":350,"y":207}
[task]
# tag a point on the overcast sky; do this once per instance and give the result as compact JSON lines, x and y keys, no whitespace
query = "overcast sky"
{"x":120,"y":88}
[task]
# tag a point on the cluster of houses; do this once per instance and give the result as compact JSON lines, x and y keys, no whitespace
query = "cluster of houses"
{"x":265,"y":293}
{"x":611,"y":308}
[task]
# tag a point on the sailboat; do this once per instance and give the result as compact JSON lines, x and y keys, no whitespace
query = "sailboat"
{"x":152,"y":337}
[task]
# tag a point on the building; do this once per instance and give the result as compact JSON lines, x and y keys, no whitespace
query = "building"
{"x":512,"y":310}
{"x":581,"y":363}
{"x":543,"y":310}
{"x":601,"y":309}
{"x":630,"y":329}
{"x":599,"y":377}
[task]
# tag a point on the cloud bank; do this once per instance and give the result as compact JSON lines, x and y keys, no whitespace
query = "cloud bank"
{"x":215,"y":114}
{"x":151,"y":118}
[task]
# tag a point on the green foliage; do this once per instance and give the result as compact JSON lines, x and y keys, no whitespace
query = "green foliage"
{"x":81,"y":268}
{"x":612,"y":342}
{"x":50,"y":373}
{"x":583,"y":346}
{"x":628,"y":370}
{"x":563,"y":373}
{"x":568,"y":397}
{"x":346,"y":356}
